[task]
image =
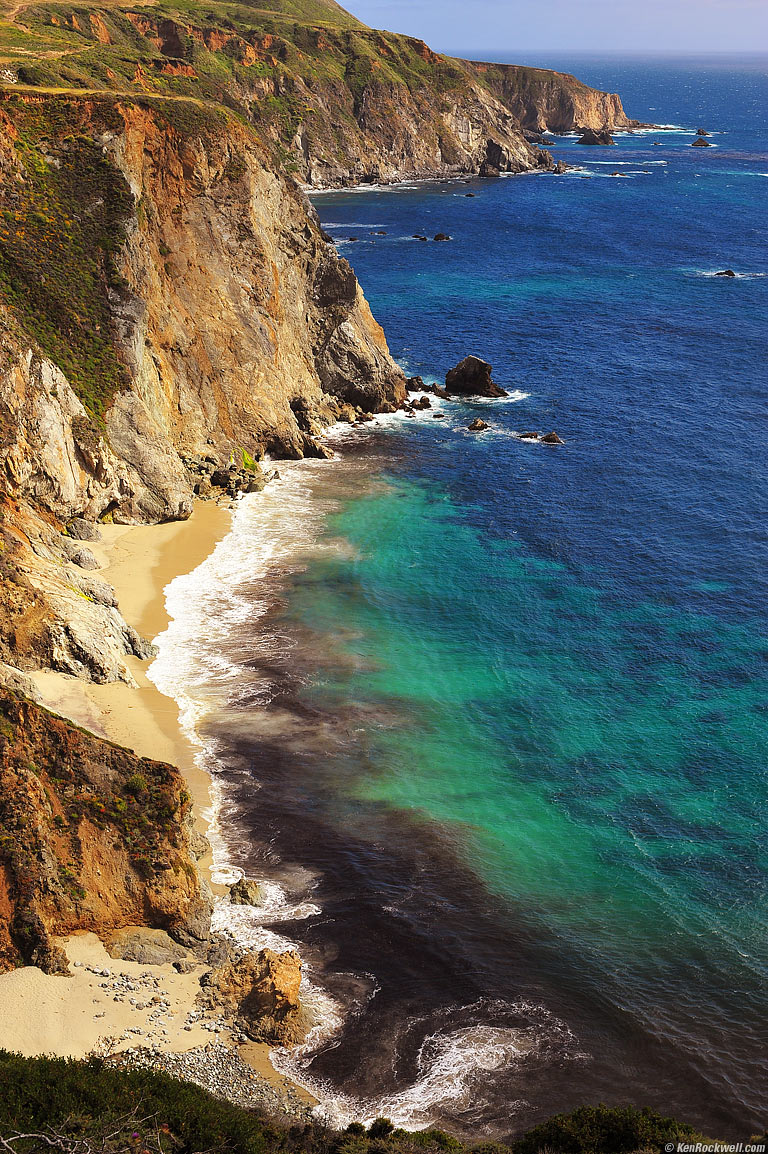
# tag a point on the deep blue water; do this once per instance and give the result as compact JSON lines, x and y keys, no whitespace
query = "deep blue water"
{"x":530,"y":684}
{"x":591,"y":620}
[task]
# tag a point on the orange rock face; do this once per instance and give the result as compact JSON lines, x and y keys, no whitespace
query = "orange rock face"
{"x":91,"y":838}
{"x":260,"y":990}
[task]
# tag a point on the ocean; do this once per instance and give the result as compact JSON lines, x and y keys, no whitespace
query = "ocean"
{"x":490,"y":717}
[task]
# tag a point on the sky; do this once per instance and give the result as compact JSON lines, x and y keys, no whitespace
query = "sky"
{"x":472,"y":26}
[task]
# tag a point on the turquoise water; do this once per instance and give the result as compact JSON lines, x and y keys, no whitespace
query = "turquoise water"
{"x":536,"y":679}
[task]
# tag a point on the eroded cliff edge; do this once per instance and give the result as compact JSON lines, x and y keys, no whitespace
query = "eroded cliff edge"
{"x":171,"y":299}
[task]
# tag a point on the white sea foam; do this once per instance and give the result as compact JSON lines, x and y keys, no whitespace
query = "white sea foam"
{"x":453,"y":1066}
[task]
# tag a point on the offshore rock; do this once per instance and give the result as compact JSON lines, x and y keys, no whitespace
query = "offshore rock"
{"x":551,"y":439}
{"x":261,"y":991}
{"x":472,"y":378}
{"x":726,"y":272}
{"x":600,"y":136}
{"x":699,"y":142}
{"x":477,"y":426}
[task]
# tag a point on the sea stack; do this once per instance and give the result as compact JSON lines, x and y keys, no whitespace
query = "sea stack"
{"x":593,"y":136}
{"x":472,"y":378}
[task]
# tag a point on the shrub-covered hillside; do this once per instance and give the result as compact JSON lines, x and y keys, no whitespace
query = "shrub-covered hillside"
{"x":85,"y":1107}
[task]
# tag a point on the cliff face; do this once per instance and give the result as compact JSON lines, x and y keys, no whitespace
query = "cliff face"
{"x":223,"y":325}
{"x":337,"y":102}
{"x":91,"y":838}
{"x":542,"y":101}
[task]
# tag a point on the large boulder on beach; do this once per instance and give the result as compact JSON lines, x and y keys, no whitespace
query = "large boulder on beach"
{"x":261,"y":992}
{"x":149,"y":947}
{"x":472,"y":378}
{"x":599,"y":136}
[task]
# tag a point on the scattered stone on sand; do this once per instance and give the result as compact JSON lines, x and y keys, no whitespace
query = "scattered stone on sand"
{"x":83,"y":530}
{"x":221,"y":1071}
{"x":472,"y":378}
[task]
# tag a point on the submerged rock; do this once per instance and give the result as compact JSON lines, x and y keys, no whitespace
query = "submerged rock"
{"x":472,"y":378}
{"x":596,"y":136}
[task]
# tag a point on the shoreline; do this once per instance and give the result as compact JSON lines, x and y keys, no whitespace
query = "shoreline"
{"x":73,"y":1016}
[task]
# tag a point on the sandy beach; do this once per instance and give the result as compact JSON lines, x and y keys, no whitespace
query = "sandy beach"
{"x":108,"y":1005}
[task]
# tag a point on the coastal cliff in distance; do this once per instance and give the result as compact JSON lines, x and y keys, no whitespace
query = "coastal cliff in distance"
{"x":171,"y":312}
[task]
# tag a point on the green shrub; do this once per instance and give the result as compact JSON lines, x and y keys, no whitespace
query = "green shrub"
{"x":604,"y":1130}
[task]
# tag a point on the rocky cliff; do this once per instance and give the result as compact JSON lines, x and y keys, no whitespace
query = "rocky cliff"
{"x":168,"y":298}
{"x":337,"y":102}
{"x":91,"y":838}
{"x":541,"y":100}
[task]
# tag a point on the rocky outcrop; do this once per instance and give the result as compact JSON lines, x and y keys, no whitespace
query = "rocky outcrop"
{"x":543,"y":101}
{"x":700,"y":142}
{"x":593,"y":136}
{"x":260,"y":991}
{"x":91,"y":838}
{"x":472,"y":378}
{"x":246,"y":893}
{"x":232,"y":329}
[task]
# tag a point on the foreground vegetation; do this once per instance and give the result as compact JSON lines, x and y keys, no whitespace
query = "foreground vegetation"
{"x":85,"y":1107}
